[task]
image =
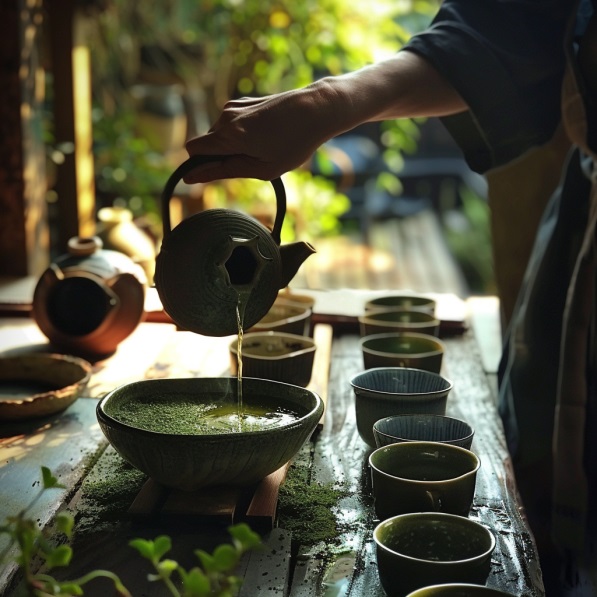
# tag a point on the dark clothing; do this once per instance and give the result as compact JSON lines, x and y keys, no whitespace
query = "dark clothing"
{"x":506,"y":59}
{"x":516,"y":64}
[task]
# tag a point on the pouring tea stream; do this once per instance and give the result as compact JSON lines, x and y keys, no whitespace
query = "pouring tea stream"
{"x":219,"y":271}
{"x":211,"y":256}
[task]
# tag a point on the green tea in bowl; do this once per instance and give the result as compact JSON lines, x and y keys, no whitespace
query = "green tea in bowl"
{"x":191,"y":433}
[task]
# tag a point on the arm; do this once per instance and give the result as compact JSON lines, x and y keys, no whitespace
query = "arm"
{"x":266,"y":137}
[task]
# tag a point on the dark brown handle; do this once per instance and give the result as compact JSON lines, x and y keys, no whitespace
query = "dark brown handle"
{"x":197,"y":160}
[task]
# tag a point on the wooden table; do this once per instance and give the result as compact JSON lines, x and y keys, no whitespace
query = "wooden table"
{"x":72,"y":445}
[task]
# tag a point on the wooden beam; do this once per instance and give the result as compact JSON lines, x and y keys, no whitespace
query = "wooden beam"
{"x":24,"y":237}
{"x":71,"y":72}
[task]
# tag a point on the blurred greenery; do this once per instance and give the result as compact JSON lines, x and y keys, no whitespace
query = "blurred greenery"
{"x":468,"y":234}
{"x":215,"y":50}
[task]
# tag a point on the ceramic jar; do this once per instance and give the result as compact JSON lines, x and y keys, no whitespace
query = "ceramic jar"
{"x":118,"y":232}
{"x":90,"y":299}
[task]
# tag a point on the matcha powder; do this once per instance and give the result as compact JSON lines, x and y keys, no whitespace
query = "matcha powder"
{"x":107,"y":492}
{"x":307,"y":509}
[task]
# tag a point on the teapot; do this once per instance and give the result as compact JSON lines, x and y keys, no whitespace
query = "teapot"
{"x":217,"y":262}
{"x":90,"y":299}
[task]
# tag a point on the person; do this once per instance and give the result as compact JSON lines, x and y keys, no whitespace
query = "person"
{"x":508,"y":78}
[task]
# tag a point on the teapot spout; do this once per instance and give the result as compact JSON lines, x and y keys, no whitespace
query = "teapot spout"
{"x":292,"y":256}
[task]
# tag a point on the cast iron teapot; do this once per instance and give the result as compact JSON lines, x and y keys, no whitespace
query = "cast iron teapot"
{"x":213,"y":258}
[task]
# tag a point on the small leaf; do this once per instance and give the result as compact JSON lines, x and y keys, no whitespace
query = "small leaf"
{"x":243,"y":533}
{"x":144,"y":547}
{"x":195,"y":583}
{"x":60,"y":556}
{"x":49,"y":481}
{"x":161,"y":546}
{"x":207,"y":561}
{"x":225,"y":557}
{"x":65,"y":523}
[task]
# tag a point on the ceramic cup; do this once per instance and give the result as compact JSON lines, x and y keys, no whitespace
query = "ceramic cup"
{"x":275,"y":355}
{"x":428,"y":548}
{"x":385,"y":391}
{"x":458,"y":590}
{"x":427,"y":428}
{"x":287,"y":317}
{"x":423,"y":477}
{"x":398,"y":320}
{"x":403,"y":349}
{"x":401,"y":301}
{"x":302,"y":300}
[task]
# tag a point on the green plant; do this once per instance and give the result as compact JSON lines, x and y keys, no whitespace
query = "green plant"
{"x":32,"y":544}
{"x":219,"y":49}
{"x":213,"y":578}
{"x":468,"y":235}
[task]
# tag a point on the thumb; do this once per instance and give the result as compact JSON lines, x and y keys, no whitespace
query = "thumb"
{"x":234,"y":166}
{"x":206,"y":172}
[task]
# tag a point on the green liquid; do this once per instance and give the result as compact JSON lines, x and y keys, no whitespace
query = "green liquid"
{"x":428,"y":471}
{"x":184,"y":415}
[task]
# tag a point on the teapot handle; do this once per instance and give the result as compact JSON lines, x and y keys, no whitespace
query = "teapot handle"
{"x":197,"y":160}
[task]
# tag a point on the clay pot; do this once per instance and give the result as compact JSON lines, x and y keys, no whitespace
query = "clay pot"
{"x":90,"y":299}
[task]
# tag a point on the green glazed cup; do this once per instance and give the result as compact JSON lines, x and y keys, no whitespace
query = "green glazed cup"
{"x":423,"y":428}
{"x":384,"y":391}
{"x":423,"y":477}
{"x":401,"y":301}
{"x":403,"y":349}
{"x":429,"y":548}
{"x":398,"y":320}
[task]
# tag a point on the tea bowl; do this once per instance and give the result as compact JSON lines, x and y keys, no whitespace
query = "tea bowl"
{"x":428,"y":428}
{"x":385,"y":391}
{"x":285,"y":316}
{"x":403,"y":349}
{"x":428,"y":548}
{"x":423,"y":477}
{"x":401,"y":301}
{"x":398,"y":320}
{"x":185,"y":433}
{"x":275,"y":355}
{"x":458,"y":590}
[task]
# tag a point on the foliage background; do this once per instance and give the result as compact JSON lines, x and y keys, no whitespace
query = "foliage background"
{"x":214,"y":50}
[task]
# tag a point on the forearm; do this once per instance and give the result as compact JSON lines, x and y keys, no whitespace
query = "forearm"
{"x":265,"y":137}
{"x":404,"y":86}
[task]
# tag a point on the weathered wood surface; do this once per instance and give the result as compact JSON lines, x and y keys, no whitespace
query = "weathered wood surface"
{"x":337,"y":455}
{"x":341,"y":455}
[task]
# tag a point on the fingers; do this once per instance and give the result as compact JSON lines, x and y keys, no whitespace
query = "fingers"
{"x":208,"y":144}
{"x":235,"y":166}
{"x":204,"y":173}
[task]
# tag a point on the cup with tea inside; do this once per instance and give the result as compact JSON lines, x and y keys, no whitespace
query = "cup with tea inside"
{"x":428,"y":548}
{"x":423,"y":477}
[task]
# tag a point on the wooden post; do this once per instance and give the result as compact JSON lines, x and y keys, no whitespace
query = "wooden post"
{"x":24,"y":235}
{"x":72,"y":120}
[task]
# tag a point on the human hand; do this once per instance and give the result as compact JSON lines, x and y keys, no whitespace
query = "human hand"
{"x":263,"y":137}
